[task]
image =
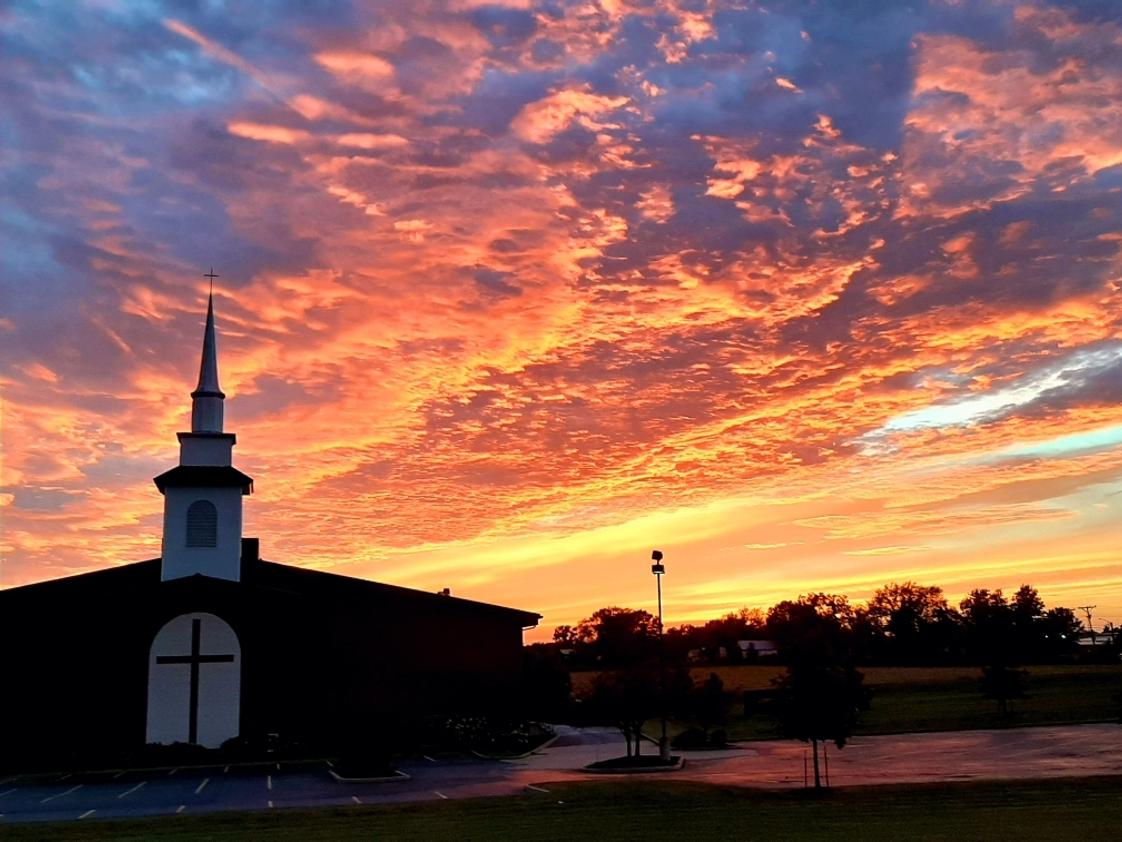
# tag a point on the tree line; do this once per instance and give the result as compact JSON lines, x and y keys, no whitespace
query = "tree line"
{"x":903,"y":623}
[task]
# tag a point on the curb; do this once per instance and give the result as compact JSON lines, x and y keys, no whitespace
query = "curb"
{"x":395,"y":777}
{"x":674,"y":767}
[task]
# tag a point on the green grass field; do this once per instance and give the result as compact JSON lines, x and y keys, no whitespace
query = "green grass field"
{"x":1084,"y":808}
{"x":906,"y":699}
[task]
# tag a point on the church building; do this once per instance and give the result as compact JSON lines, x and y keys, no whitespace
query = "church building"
{"x":210,"y":642}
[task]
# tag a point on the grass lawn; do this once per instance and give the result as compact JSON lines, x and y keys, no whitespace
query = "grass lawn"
{"x":932,"y":698}
{"x":1083,"y":808}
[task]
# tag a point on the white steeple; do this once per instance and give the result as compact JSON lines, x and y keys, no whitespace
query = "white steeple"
{"x":203,"y":495}
{"x":206,"y":400}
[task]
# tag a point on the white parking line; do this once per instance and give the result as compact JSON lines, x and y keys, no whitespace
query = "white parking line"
{"x":536,"y":788}
{"x":278,"y":767}
{"x":8,"y":791}
{"x":429,"y":759}
{"x":270,"y":805}
{"x":441,"y":794}
{"x":330,"y":765}
{"x":60,"y":794}
{"x":268,"y":781}
{"x":64,"y":777}
{"x":172,"y":772}
{"x":199,"y":788}
{"x":225,"y":769}
{"x":134,"y":789}
{"x":356,"y":799}
{"x":119,"y":774}
{"x":180,"y":809}
{"x":87,"y":814}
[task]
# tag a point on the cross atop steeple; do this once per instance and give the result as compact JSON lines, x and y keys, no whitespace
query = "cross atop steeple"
{"x":212,"y":276}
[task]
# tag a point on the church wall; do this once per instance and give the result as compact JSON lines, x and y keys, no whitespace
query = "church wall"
{"x":221,"y":561}
{"x":74,"y":679}
{"x":320,"y":666}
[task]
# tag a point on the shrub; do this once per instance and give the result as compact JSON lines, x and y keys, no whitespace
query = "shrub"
{"x":690,"y":738}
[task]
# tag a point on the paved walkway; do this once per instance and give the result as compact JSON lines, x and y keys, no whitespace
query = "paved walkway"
{"x":952,"y":756}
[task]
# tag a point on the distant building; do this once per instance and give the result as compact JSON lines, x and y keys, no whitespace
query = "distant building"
{"x":209,"y":642}
{"x":758,"y":648}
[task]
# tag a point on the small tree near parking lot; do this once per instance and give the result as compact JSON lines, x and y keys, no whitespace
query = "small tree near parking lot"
{"x":626,"y":700}
{"x":820,"y":702}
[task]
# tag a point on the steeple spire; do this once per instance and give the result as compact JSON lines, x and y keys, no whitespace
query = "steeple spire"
{"x":206,"y":400}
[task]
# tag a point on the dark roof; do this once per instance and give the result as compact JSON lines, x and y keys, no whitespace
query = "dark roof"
{"x":307,"y":581}
{"x":204,"y":476}
{"x":269,"y":575}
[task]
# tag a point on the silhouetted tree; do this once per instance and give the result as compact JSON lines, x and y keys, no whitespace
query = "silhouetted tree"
{"x":618,"y":636}
{"x":816,"y":626}
{"x":988,"y":621}
{"x":566,"y":637}
{"x":546,"y":684}
{"x":1060,"y":630}
{"x":679,"y":693}
{"x":1026,"y":610}
{"x":1003,"y":684}
{"x":916,"y":623}
{"x":627,"y":700}
{"x":816,"y":702}
{"x":712,"y":704}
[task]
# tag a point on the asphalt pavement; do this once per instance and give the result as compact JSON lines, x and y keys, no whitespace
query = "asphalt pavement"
{"x":948,"y":756}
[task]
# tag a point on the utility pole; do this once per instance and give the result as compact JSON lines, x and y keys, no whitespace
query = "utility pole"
{"x":1086,"y":609}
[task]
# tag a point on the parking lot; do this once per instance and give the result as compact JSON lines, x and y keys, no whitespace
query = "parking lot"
{"x":118,"y":794}
{"x":1014,"y":753}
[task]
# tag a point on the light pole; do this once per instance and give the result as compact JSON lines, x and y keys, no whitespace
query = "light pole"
{"x":658,"y":568}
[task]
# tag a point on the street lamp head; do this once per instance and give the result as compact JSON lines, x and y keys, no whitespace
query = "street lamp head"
{"x":657,"y":568}
{"x":656,"y":555}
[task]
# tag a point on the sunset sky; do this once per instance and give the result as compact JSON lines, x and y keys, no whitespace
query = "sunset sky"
{"x":808,"y":295}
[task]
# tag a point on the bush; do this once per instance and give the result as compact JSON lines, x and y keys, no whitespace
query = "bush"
{"x":690,"y":738}
{"x":484,"y":735}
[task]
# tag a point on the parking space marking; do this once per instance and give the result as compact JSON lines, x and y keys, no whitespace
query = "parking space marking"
{"x":199,"y":788}
{"x":429,"y":759}
{"x":330,"y":765}
{"x":278,"y":767}
{"x":225,"y":770}
{"x":536,"y":788}
{"x":87,"y":814}
{"x":60,"y":794}
{"x":356,"y":799}
{"x":64,"y":777}
{"x":268,"y":782}
{"x":134,"y":789}
{"x":8,"y":791}
{"x":441,"y":794}
{"x":119,"y":774}
{"x":172,"y":772}
{"x":270,"y":805}
{"x":180,"y":809}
